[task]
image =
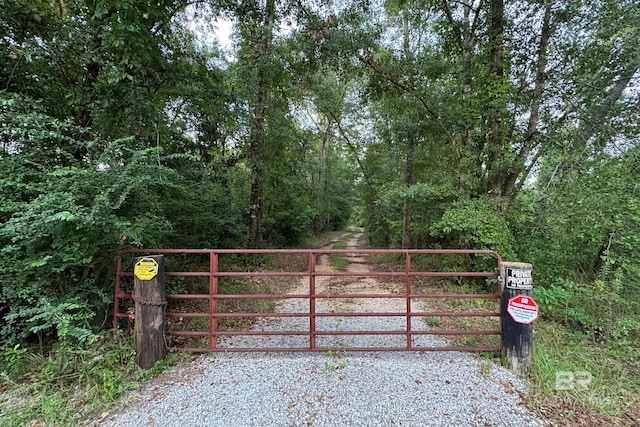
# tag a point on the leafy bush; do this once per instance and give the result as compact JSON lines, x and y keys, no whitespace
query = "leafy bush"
{"x":69,"y":206}
{"x":70,"y":320}
{"x":475,"y":223}
{"x":553,"y":300}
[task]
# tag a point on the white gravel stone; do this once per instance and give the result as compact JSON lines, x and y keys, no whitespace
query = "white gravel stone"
{"x":302,"y":389}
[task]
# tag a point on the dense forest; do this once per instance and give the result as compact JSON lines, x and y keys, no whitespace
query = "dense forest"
{"x":506,"y":125}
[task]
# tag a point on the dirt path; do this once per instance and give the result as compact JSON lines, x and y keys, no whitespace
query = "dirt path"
{"x":357,"y":263}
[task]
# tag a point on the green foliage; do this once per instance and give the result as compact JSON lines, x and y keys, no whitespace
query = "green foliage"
{"x":613,"y":385}
{"x":581,"y":236}
{"x":433,"y":322}
{"x":602,"y":308}
{"x":11,"y":356}
{"x":337,"y":360}
{"x":470,"y":341}
{"x":553,"y":300}
{"x":340,"y":244}
{"x":63,"y":318}
{"x":120,"y":128}
{"x":70,"y":383}
{"x":63,"y":223}
{"x":475,"y":224}
{"x":339,"y":261}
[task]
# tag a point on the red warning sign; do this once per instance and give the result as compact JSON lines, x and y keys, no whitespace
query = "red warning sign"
{"x":523,"y":309}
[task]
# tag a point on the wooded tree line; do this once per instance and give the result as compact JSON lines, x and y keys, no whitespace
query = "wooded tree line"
{"x":508,"y":125}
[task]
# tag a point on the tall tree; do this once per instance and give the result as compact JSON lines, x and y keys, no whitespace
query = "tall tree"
{"x":257,"y":28}
{"x":497,"y":105}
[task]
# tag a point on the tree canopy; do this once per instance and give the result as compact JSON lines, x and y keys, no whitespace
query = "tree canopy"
{"x":505,"y":125}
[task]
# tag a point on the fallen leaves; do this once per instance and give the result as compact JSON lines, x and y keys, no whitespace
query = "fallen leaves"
{"x":508,"y":387}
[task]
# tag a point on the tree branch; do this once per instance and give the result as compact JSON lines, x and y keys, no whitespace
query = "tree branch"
{"x":452,"y":22}
{"x":511,"y":189}
{"x":476,"y":20}
{"x":525,"y":174}
{"x":346,"y":138}
{"x":368,"y":61}
{"x":592,"y":123}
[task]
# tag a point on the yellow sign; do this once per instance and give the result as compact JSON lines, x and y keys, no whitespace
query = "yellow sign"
{"x":146,"y":269}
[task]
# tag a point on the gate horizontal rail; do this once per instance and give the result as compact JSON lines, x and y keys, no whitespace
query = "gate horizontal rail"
{"x":313,"y":331}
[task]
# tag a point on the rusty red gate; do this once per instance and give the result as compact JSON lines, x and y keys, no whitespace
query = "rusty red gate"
{"x":316,"y":336}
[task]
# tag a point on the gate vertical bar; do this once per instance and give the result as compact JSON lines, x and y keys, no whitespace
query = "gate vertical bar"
{"x":213,"y":301}
{"x":312,"y":301}
{"x":407,"y":282}
{"x":117,"y":293}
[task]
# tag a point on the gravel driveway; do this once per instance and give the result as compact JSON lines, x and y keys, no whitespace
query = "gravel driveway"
{"x":337,"y":389}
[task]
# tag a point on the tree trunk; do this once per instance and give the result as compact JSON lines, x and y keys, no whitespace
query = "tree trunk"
{"x":407,"y":217}
{"x":262,"y":51}
{"x":509,"y":189}
{"x":496,"y":69}
{"x":409,"y":180}
{"x":590,"y":124}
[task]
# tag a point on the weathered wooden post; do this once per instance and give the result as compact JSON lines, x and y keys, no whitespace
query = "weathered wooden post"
{"x":150,"y":298}
{"x":517,"y":311}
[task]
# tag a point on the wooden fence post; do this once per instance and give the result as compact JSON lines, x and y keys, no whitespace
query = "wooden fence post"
{"x":517,"y":314}
{"x":151,"y":302}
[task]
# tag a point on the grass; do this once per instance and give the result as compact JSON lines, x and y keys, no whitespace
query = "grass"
{"x":340,"y":244}
{"x":71,"y":383}
{"x":570,"y":369}
{"x":74,"y":383}
{"x":338,"y":360}
{"x":428,"y":286}
{"x":339,"y":261}
{"x":433,"y":322}
{"x":573,"y":379}
{"x":238,"y":285}
{"x":470,"y":341}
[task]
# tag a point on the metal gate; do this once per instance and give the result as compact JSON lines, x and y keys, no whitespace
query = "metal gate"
{"x":201,"y":301}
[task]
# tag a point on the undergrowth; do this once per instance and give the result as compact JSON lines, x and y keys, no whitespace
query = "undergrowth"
{"x":573,"y":370}
{"x":80,"y":378}
{"x":70,"y":383}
